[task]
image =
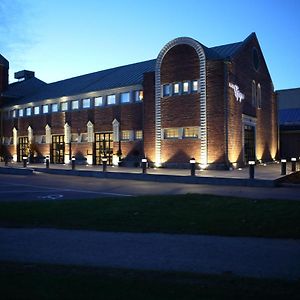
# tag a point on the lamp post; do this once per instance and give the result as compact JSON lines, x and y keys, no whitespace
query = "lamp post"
{"x":283,"y":167}
{"x":144,"y":165}
{"x":104,"y":161}
{"x":251,"y":168}
{"x":73,"y":162}
{"x":47,"y":162}
{"x":25,"y":161}
{"x":293,"y":160}
{"x":193,"y":166}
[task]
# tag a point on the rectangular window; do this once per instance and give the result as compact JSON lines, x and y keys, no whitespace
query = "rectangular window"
{"x":185,"y":87}
{"x":28,"y":111}
{"x":54,"y":107}
{"x":21,"y":112}
{"x":138,"y":96}
{"x":195,"y":86}
{"x":14,"y":113}
{"x":125,"y":97}
{"x":171,"y":133}
{"x":74,"y":137}
{"x":36,"y":110}
{"x":86,"y":103}
{"x":190,"y":132}
{"x":176,"y":88}
{"x":75,"y":104}
{"x":166,"y":90}
{"x":111,"y":99}
{"x":45,"y":109}
{"x":64,"y":106}
{"x":125,"y":135}
{"x":99,"y":101}
{"x":138,"y":135}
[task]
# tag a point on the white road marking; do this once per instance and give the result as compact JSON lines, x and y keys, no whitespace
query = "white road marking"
{"x":60,"y":190}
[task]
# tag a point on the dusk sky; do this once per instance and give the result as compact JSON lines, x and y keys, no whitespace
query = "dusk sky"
{"x":67,"y":38}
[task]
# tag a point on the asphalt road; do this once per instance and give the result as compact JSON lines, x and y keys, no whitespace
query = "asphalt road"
{"x":254,"y":257}
{"x":41,"y":186}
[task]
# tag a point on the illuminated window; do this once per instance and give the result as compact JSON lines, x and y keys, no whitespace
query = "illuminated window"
{"x":125,"y":97}
{"x":86,"y":103}
{"x":45,"y":109}
{"x":75,"y":104}
{"x":171,"y":133}
{"x":185,"y":87}
{"x":125,"y":135}
{"x":190,"y":132}
{"x":195,"y":86}
{"x":138,"y":96}
{"x":21,"y":112}
{"x":99,"y":101}
{"x":166,"y":90}
{"x":54,"y":107}
{"x":258,"y":96}
{"x":64,"y":106}
{"x":138,"y":135}
{"x":14,"y":113}
{"x":111,"y":99}
{"x":36,"y":110}
{"x":253,"y":93}
{"x":28,"y":111}
{"x":176,"y":88}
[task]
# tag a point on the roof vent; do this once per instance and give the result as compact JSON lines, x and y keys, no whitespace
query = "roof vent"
{"x":23,"y":75}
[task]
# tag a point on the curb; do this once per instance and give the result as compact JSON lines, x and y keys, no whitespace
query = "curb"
{"x":165,"y":178}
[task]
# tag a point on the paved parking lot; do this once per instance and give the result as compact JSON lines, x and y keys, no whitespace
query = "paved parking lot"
{"x":41,"y":186}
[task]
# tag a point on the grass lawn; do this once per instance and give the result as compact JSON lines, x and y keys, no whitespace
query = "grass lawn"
{"x":189,"y":214}
{"x":21,"y":281}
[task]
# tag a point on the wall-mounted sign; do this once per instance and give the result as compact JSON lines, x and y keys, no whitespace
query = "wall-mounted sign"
{"x":239,"y":96}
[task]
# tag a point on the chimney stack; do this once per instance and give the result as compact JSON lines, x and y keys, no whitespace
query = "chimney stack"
{"x":4,"y":66}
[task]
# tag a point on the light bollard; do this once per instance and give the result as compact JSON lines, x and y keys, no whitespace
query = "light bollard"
{"x":283,"y":167}
{"x":144,"y":165}
{"x":104,"y":164}
{"x":193,"y":166}
{"x":25,"y":161}
{"x":251,"y":169}
{"x":294,"y":161}
{"x":47,"y":162}
{"x":73,"y":162}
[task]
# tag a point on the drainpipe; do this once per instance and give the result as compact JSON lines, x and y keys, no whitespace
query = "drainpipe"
{"x":226,"y":63}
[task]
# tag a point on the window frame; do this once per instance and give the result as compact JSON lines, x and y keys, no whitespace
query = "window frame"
{"x":173,"y":137}
{"x":52,"y":107}
{"x":84,"y":101}
{"x":97,"y":99}
{"x":110,"y":97}
{"x":36,"y":110}
{"x":28,"y":109}
{"x":62,"y":104}
{"x":164,"y":94}
{"x":43,"y":108}
{"x":129,"y":98}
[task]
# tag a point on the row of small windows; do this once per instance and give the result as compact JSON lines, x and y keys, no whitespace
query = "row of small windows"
{"x":181,"y":133}
{"x":256,"y":95}
{"x":126,"y":97}
{"x":180,"y":88}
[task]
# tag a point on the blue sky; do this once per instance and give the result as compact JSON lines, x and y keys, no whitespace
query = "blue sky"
{"x":62,"y":39}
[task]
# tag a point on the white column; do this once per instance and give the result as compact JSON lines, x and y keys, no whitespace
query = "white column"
{"x":30,"y":135}
{"x":116,"y":130}
{"x":48,"y":134}
{"x":67,"y":129}
{"x":90,"y":132}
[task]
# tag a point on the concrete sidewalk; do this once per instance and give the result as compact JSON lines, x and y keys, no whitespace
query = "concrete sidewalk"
{"x":253,"y":257}
{"x":265,"y":175}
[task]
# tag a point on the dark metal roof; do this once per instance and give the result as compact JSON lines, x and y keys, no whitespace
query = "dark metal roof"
{"x":289,"y":116}
{"x":227,"y":51}
{"x":107,"y":79}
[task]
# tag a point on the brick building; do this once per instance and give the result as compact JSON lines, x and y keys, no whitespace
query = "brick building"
{"x":288,"y":102}
{"x":214,"y":104}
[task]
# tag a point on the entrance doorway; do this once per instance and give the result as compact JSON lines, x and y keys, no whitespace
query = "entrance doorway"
{"x":249,"y":143}
{"x":58,"y":149}
{"x":23,"y":148}
{"x":103,"y":147}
